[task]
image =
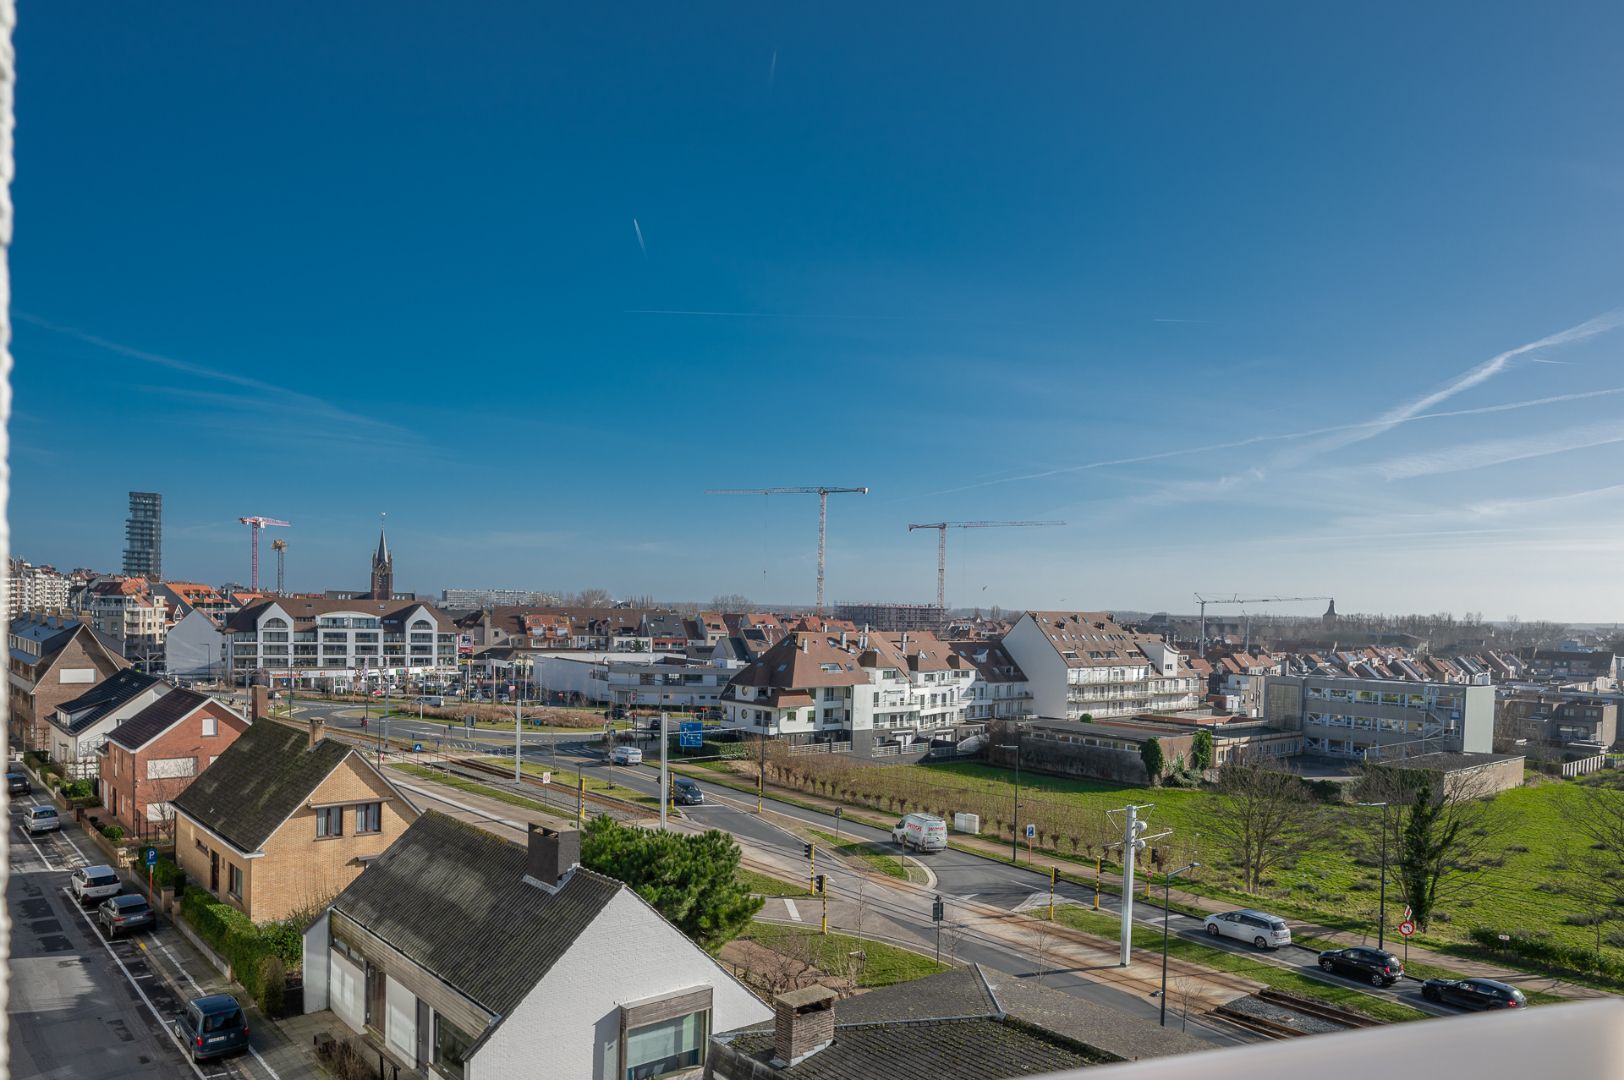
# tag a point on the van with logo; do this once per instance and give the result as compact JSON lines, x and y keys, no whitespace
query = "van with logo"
{"x":922,"y":832}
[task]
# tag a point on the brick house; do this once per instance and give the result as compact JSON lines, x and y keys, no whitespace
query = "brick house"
{"x":75,"y":732}
{"x":51,"y":660}
{"x":285,"y":819}
{"x":153,"y":756}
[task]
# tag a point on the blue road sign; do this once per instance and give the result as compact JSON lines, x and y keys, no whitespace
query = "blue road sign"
{"x":690,"y":742}
{"x":417,"y":748}
{"x":692,"y":727}
{"x":152,"y":856}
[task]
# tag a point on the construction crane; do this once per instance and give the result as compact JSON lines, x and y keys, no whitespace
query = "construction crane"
{"x":255,"y":524}
{"x":822,"y":493}
{"x":280,"y":546}
{"x":941,"y":528}
{"x":1236,"y":598}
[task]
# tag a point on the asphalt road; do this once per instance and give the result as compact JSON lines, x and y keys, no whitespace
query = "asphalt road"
{"x":83,"y":1007}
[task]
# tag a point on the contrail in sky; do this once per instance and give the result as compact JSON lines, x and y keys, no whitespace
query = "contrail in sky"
{"x":638,"y":229}
{"x":772,"y":69}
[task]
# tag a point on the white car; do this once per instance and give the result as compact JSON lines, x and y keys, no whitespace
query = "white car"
{"x":1261,"y":929}
{"x":41,"y":819}
{"x":94,"y":883}
{"x":626,"y":755}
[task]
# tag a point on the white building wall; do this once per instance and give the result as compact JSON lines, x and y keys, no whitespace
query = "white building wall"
{"x":569,"y":1024}
{"x":194,"y":648}
{"x":316,"y":964}
{"x":400,"y":1021}
{"x":1045,"y":671}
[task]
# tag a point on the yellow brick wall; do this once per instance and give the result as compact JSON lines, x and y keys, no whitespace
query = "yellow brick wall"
{"x":299,"y":871}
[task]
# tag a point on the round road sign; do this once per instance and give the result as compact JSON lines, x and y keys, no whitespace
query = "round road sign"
{"x":1406,"y":927}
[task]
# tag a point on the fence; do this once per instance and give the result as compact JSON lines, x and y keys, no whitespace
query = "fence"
{"x":1586,"y":766}
{"x":819,"y":748}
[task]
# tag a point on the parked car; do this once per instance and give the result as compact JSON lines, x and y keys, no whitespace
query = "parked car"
{"x":1474,"y":994}
{"x":626,"y":755}
{"x":922,"y":832}
{"x":94,"y":883}
{"x":17,"y":783}
{"x":686,"y":793}
{"x":212,"y":1026}
{"x":1261,"y":929}
{"x":1373,"y":965}
{"x":42,"y":819}
{"x":121,"y":914}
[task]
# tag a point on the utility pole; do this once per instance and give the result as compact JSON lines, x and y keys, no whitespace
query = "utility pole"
{"x":1015,"y":825}
{"x":1133,"y":841}
{"x":518,"y":742}
{"x":1381,"y":925}
{"x":665,"y":779}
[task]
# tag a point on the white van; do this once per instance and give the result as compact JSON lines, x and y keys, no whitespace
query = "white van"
{"x":626,"y":755}
{"x":921,"y":832}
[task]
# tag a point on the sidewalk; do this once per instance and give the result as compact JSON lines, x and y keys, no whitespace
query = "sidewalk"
{"x":1081,"y":874}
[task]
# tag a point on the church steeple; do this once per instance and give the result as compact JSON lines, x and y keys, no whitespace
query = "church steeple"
{"x":383,"y":567}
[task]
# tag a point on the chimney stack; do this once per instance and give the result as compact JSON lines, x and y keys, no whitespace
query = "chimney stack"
{"x":803,"y":1024}
{"x":843,"y":639}
{"x":551,"y":855}
{"x":318,"y":728}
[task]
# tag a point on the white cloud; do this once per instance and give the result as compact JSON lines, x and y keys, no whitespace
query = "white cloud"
{"x":1480,"y":455}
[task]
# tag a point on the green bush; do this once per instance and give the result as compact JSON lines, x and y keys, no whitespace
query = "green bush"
{"x":115,"y":833}
{"x":260,"y":956}
{"x":78,"y":789}
{"x":166,"y":875}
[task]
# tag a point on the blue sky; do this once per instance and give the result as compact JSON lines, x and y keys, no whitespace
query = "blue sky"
{"x":1055,"y":261}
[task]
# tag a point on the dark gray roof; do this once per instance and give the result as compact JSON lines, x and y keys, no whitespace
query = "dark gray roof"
{"x":261,"y":778}
{"x":960,"y":992}
{"x":104,"y":697}
{"x":156,"y":718}
{"x":450,"y":897}
{"x":1445,"y":761}
{"x":978,"y":1049}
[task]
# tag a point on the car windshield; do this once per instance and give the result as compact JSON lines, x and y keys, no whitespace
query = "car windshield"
{"x":222,"y":1021}
{"x":130,"y":904}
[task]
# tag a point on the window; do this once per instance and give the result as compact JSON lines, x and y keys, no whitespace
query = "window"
{"x":234,"y":883}
{"x":451,"y":1045}
{"x":330,"y":821}
{"x":664,"y":1048}
{"x":211,"y":726}
{"x":369,"y":818}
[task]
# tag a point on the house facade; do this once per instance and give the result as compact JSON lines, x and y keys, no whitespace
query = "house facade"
{"x":78,"y":728}
{"x":284,"y":819}
{"x":149,"y":759}
{"x":588,"y":981}
{"x":1081,"y":663}
{"x":311,"y":642}
{"x":1374,"y":719}
{"x":195,"y":648}
{"x":51,"y":659}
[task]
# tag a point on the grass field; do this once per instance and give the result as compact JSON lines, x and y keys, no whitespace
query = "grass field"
{"x":767,"y":885}
{"x":883,"y":965}
{"x":1145,"y":937}
{"x":875,"y":856}
{"x":1516,"y":889}
{"x":567,"y":779}
{"x":472,"y":787}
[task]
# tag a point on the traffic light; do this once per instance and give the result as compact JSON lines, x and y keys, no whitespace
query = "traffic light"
{"x":1054,"y":875}
{"x":806,"y":850}
{"x":821,"y":884}
{"x":1156,"y":856}
{"x":937,"y":910}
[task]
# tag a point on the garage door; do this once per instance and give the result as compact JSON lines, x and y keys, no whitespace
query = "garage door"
{"x":400,"y":1028}
{"x":347,"y":988}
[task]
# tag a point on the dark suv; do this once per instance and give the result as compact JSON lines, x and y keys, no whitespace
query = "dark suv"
{"x":1474,"y":994}
{"x":1372,"y":965}
{"x":212,"y":1026}
{"x":684,"y":792}
{"x":121,"y":914}
{"x":17,"y":783}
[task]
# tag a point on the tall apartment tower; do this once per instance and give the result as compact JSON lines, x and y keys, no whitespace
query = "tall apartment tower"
{"x":144,"y":536}
{"x":383,"y":570}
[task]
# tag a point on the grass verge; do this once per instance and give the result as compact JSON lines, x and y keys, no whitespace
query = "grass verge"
{"x":767,"y":885}
{"x":874,"y":856}
{"x":473,"y":787}
{"x":881,"y":964}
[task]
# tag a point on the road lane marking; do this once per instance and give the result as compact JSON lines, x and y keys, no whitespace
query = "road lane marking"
{"x":789,"y":906}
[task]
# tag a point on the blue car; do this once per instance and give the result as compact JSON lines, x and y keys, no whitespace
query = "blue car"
{"x":212,"y":1027}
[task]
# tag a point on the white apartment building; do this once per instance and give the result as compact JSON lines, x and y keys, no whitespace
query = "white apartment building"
{"x":1081,"y":662}
{"x":36,"y":588}
{"x":1001,"y":691}
{"x":634,"y":680}
{"x":343,"y":642}
{"x":867,"y":689}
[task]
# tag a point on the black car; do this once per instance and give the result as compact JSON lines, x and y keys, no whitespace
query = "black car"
{"x":17,"y":783}
{"x":1474,"y":994}
{"x":212,"y":1027}
{"x":684,"y":792}
{"x":121,"y":914}
{"x":1372,"y":965}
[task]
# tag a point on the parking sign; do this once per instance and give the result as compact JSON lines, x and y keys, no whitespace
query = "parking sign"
{"x":152,"y":856}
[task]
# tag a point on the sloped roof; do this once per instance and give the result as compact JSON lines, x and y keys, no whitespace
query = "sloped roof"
{"x":975,"y":1049}
{"x":261,"y":778}
{"x":156,"y":718}
{"x":447,"y":890}
{"x":103,"y":698}
{"x":990,"y":659}
{"x":804,"y":660}
{"x":304,"y":611}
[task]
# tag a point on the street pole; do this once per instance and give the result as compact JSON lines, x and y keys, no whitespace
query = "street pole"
{"x":518,"y":744}
{"x":1381,"y":925}
{"x":1015,"y":825}
{"x":1167,"y":908}
{"x":1130,"y":837}
{"x":665,"y":776}
{"x":761,"y":774}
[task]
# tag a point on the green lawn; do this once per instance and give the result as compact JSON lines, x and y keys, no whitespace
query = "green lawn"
{"x":767,"y":885}
{"x":567,"y":779}
{"x":474,"y":788}
{"x":882,"y":965}
{"x":1145,"y":937}
{"x":876,"y":856}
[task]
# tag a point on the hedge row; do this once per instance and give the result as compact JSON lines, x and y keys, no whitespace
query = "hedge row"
{"x":259,"y":955}
{"x":1540,"y":949}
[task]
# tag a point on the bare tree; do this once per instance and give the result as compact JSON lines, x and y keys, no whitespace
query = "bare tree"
{"x":731,"y":603}
{"x":592,"y":598}
{"x":1041,"y":932}
{"x":1262,"y":818}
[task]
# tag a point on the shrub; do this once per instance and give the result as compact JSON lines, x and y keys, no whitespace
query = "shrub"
{"x":115,"y":833}
{"x":78,"y":789}
{"x":166,"y":875}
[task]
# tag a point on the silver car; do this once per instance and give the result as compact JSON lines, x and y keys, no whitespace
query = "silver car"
{"x":94,"y":883}
{"x":42,"y":819}
{"x":1260,"y":928}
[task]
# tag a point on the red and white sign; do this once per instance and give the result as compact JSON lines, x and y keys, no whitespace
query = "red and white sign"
{"x":1406,"y":927}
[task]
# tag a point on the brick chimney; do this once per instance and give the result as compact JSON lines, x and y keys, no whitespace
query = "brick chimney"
{"x":551,"y":855}
{"x":318,"y":729}
{"x":803,"y":1024}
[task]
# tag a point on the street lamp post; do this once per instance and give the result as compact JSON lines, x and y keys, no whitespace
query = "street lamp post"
{"x":1167,"y":908}
{"x":1381,"y":926}
{"x":1015,"y":825}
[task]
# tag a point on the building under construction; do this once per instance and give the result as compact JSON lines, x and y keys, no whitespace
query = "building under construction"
{"x":893,"y":617}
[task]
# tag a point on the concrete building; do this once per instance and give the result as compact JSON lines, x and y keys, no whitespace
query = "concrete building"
{"x":150,"y":758}
{"x":477,"y":599}
{"x":284,"y":819}
{"x":893,"y":618}
{"x":341,"y":642}
{"x":195,"y":648}
{"x":465,"y":955}
{"x":633,"y":680}
{"x":144,"y":536}
{"x":868,"y":689}
{"x":1000,"y":688}
{"x":51,"y":660}
{"x":36,"y":588}
{"x":1110,"y":749}
{"x":1083,"y":663}
{"x":1380,"y":719}
{"x":1581,"y":722}
{"x":125,"y":610}
{"x":1597,"y":670}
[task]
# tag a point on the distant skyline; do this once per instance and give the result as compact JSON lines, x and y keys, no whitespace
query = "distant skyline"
{"x":1264,"y":299}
